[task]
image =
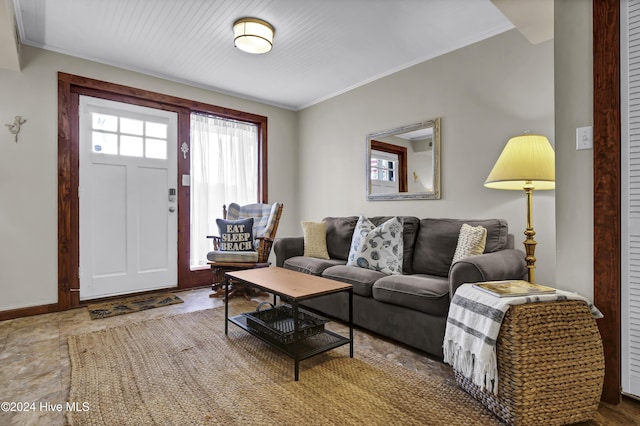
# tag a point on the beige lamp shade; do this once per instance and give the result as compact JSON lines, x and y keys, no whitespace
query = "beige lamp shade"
{"x":526,"y":160}
{"x":253,"y":35}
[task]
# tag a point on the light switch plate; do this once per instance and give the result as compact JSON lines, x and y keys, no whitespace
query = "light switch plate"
{"x":584,"y":137}
{"x":186,"y":180}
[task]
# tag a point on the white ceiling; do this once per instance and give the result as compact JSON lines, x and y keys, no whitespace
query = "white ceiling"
{"x":321,"y":47}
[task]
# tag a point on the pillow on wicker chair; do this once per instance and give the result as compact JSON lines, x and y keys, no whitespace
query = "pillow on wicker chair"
{"x":236,"y":235}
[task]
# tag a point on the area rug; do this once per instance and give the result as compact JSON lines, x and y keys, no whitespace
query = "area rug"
{"x":183,"y":370}
{"x":132,"y":304}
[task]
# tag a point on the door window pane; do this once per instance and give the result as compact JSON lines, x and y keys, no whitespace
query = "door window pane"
{"x":104,"y":143}
{"x":131,"y":146}
{"x":104,"y":122}
{"x":131,"y":126}
{"x":137,"y":137}
{"x":156,"y":148}
{"x":156,"y":130}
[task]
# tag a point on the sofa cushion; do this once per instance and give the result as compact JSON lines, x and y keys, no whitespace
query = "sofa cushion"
{"x":377,"y":247}
{"x":420,"y":292}
{"x":233,"y":256}
{"x":310,"y":265}
{"x":437,"y":240}
{"x":339,"y":233}
{"x":361,"y":279}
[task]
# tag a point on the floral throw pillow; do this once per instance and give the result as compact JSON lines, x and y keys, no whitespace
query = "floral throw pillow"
{"x":378,"y":248}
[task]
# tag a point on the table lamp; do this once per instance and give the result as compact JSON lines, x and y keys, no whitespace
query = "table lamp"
{"x":527,"y":162}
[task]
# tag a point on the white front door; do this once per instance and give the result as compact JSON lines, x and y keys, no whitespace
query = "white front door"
{"x":128,"y":199}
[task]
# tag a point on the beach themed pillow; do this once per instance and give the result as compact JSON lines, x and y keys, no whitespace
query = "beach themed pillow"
{"x":379,"y":248}
{"x":236,"y":235}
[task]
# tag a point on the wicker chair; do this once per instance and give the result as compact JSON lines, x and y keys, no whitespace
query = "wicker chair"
{"x":266,"y":218}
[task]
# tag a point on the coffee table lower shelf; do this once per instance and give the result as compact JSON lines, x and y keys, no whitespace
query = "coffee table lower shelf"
{"x":300,"y":350}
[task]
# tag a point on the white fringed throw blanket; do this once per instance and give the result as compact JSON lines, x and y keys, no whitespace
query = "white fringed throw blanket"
{"x":472,"y":329}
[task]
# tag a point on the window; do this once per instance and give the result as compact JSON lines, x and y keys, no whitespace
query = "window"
{"x":388,"y":168}
{"x":224,"y":169}
{"x":383,"y":169}
{"x":128,"y":136}
{"x":384,"y":172}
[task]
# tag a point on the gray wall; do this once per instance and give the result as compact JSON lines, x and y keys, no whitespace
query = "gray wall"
{"x":574,"y":170}
{"x":485,"y":93}
{"x":28,"y":169}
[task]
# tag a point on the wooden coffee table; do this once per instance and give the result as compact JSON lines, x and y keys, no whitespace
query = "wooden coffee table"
{"x":292,"y":287}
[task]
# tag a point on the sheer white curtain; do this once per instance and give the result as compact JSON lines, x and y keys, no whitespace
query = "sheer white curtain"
{"x":224,"y":169}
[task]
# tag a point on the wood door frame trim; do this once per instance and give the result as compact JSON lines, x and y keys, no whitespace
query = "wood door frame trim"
{"x":606,"y":188}
{"x":70,"y":87}
{"x":401,"y":152}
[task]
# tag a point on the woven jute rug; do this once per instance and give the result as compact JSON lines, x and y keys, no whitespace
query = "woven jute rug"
{"x":132,"y":304}
{"x":183,"y":370}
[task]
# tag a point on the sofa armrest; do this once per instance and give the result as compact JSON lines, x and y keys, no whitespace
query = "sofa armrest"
{"x":501,"y":265}
{"x":286,"y":247}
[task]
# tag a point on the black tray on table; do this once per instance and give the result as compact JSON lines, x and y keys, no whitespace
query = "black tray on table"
{"x":278,"y":323}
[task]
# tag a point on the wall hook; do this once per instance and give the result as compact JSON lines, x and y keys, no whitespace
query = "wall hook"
{"x":14,"y":128}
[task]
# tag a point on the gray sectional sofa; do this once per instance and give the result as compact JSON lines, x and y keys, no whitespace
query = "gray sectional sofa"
{"x":410,"y":308}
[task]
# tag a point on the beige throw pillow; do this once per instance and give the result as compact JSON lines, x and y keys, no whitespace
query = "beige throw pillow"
{"x":315,"y":239}
{"x":471,"y":241}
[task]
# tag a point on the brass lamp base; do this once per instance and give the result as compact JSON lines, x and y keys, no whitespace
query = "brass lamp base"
{"x":530,"y":243}
{"x":530,"y":248}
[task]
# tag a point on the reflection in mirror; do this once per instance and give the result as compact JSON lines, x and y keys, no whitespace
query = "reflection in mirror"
{"x":404,"y":163}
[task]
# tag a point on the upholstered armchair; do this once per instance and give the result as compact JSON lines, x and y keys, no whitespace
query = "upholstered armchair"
{"x":246,"y":236}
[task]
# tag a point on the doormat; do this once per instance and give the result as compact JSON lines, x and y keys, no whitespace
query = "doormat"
{"x":132,"y":304}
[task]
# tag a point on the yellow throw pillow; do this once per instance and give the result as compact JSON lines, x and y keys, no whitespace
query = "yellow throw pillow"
{"x":471,"y":241}
{"x":315,"y":239}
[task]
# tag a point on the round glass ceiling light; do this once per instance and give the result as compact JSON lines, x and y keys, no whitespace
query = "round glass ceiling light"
{"x":253,"y":35}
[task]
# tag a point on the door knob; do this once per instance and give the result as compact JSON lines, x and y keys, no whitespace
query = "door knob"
{"x":172,"y":209}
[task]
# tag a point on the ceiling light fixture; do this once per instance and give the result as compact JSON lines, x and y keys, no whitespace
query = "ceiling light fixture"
{"x":253,"y":35}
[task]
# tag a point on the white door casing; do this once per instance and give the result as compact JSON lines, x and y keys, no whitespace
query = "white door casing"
{"x":128,"y":220}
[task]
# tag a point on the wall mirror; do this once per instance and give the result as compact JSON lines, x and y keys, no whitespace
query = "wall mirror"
{"x":404,"y":163}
